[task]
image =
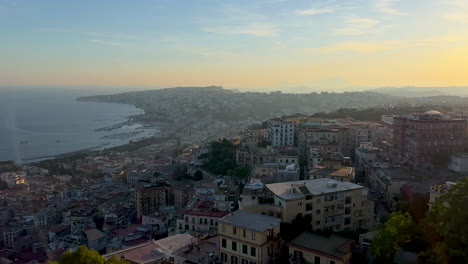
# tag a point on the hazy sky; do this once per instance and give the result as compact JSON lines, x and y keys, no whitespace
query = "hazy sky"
{"x":264,"y":43}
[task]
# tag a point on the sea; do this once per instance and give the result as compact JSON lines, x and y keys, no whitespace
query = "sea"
{"x":41,"y":123}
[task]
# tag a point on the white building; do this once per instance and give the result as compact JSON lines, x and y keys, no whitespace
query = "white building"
{"x":459,"y":163}
{"x":280,"y":132}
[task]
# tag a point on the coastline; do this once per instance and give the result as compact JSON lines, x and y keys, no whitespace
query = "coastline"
{"x":112,"y":139}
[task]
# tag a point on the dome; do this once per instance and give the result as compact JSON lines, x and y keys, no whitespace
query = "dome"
{"x":433,"y":112}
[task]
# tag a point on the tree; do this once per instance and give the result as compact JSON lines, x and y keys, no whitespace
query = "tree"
{"x":198,"y":176}
{"x":448,"y":217}
{"x":394,"y":234}
{"x":240,"y":172}
{"x":85,"y":256}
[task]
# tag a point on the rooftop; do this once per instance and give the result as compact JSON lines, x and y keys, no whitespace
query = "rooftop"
{"x":299,"y":189}
{"x":94,"y":234}
{"x":251,"y":221}
{"x":342,"y":172}
{"x":333,"y":246}
{"x":154,"y":251}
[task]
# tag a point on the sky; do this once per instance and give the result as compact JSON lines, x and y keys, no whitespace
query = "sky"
{"x":267,"y":44}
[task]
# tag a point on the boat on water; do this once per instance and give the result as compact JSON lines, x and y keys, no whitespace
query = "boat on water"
{"x":57,"y":141}
{"x":24,"y":142}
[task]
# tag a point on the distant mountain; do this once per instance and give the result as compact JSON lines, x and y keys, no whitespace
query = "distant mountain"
{"x":413,"y":91}
{"x":326,"y":85}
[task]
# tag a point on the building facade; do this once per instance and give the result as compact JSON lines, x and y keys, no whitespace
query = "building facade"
{"x":422,"y":139}
{"x":332,"y":205}
{"x":313,"y":248}
{"x":248,"y":238}
{"x":149,"y":198}
{"x":280,"y":133}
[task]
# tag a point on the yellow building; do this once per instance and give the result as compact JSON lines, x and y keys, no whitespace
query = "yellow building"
{"x":248,"y":238}
{"x":333,"y":205}
{"x":312,"y":248}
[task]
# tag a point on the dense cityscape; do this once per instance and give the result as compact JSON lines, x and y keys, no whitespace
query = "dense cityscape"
{"x":234,"y":132}
{"x":299,"y":189}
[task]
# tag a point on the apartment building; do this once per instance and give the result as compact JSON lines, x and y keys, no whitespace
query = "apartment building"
{"x":280,"y":133}
{"x":421,"y":137}
{"x":201,"y":218}
{"x":459,"y":163}
{"x":331,"y":140}
{"x":248,"y":238}
{"x":365,"y":156}
{"x":149,"y":198}
{"x":332,"y":204}
{"x":273,"y":172}
{"x":313,"y":248}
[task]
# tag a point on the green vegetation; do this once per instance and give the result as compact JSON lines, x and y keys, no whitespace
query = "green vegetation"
{"x":221,"y":160}
{"x":399,"y":230}
{"x":439,"y":237}
{"x":447,"y":224}
{"x":85,"y":256}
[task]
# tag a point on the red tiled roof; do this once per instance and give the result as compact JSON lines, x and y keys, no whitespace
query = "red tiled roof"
{"x":216,"y":214}
{"x":57,"y":228}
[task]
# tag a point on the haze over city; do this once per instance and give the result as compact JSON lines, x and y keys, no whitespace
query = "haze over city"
{"x":262,"y":45}
{"x":234,"y":132}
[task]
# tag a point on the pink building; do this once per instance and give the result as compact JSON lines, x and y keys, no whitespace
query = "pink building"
{"x":419,"y":139}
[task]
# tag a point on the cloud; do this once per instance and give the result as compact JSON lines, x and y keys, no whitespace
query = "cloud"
{"x":456,"y":17}
{"x":104,"y":42}
{"x":361,"y":47}
{"x":356,"y":26}
{"x":386,"y":7}
{"x":259,"y":30}
{"x":315,"y":11}
{"x":375,"y":46}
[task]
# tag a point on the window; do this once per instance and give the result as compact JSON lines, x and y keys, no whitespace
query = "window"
{"x":317,"y":222}
{"x":223,"y":257}
{"x":317,"y":260}
{"x":211,"y":221}
{"x":245,"y":261}
{"x":244,"y":249}
{"x":347,"y":220}
{"x":224,"y":228}
{"x":234,"y":230}
{"x":308,"y":206}
{"x":299,"y":204}
{"x":243,"y":231}
{"x":233,"y":260}
{"x":253,"y":235}
{"x":332,"y":262}
{"x":234,"y":246}
{"x":223,"y":243}
{"x":348,"y":200}
{"x":317,"y":212}
{"x":253,"y":252}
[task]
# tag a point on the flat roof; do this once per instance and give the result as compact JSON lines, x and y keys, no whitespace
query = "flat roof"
{"x":341,"y":172}
{"x":251,"y":221}
{"x":328,"y":245}
{"x":291,"y":190}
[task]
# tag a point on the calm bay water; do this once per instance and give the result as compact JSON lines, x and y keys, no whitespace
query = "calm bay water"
{"x":39,"y":123}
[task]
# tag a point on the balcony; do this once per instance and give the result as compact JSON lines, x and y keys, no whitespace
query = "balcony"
{"x":273,"y":237}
